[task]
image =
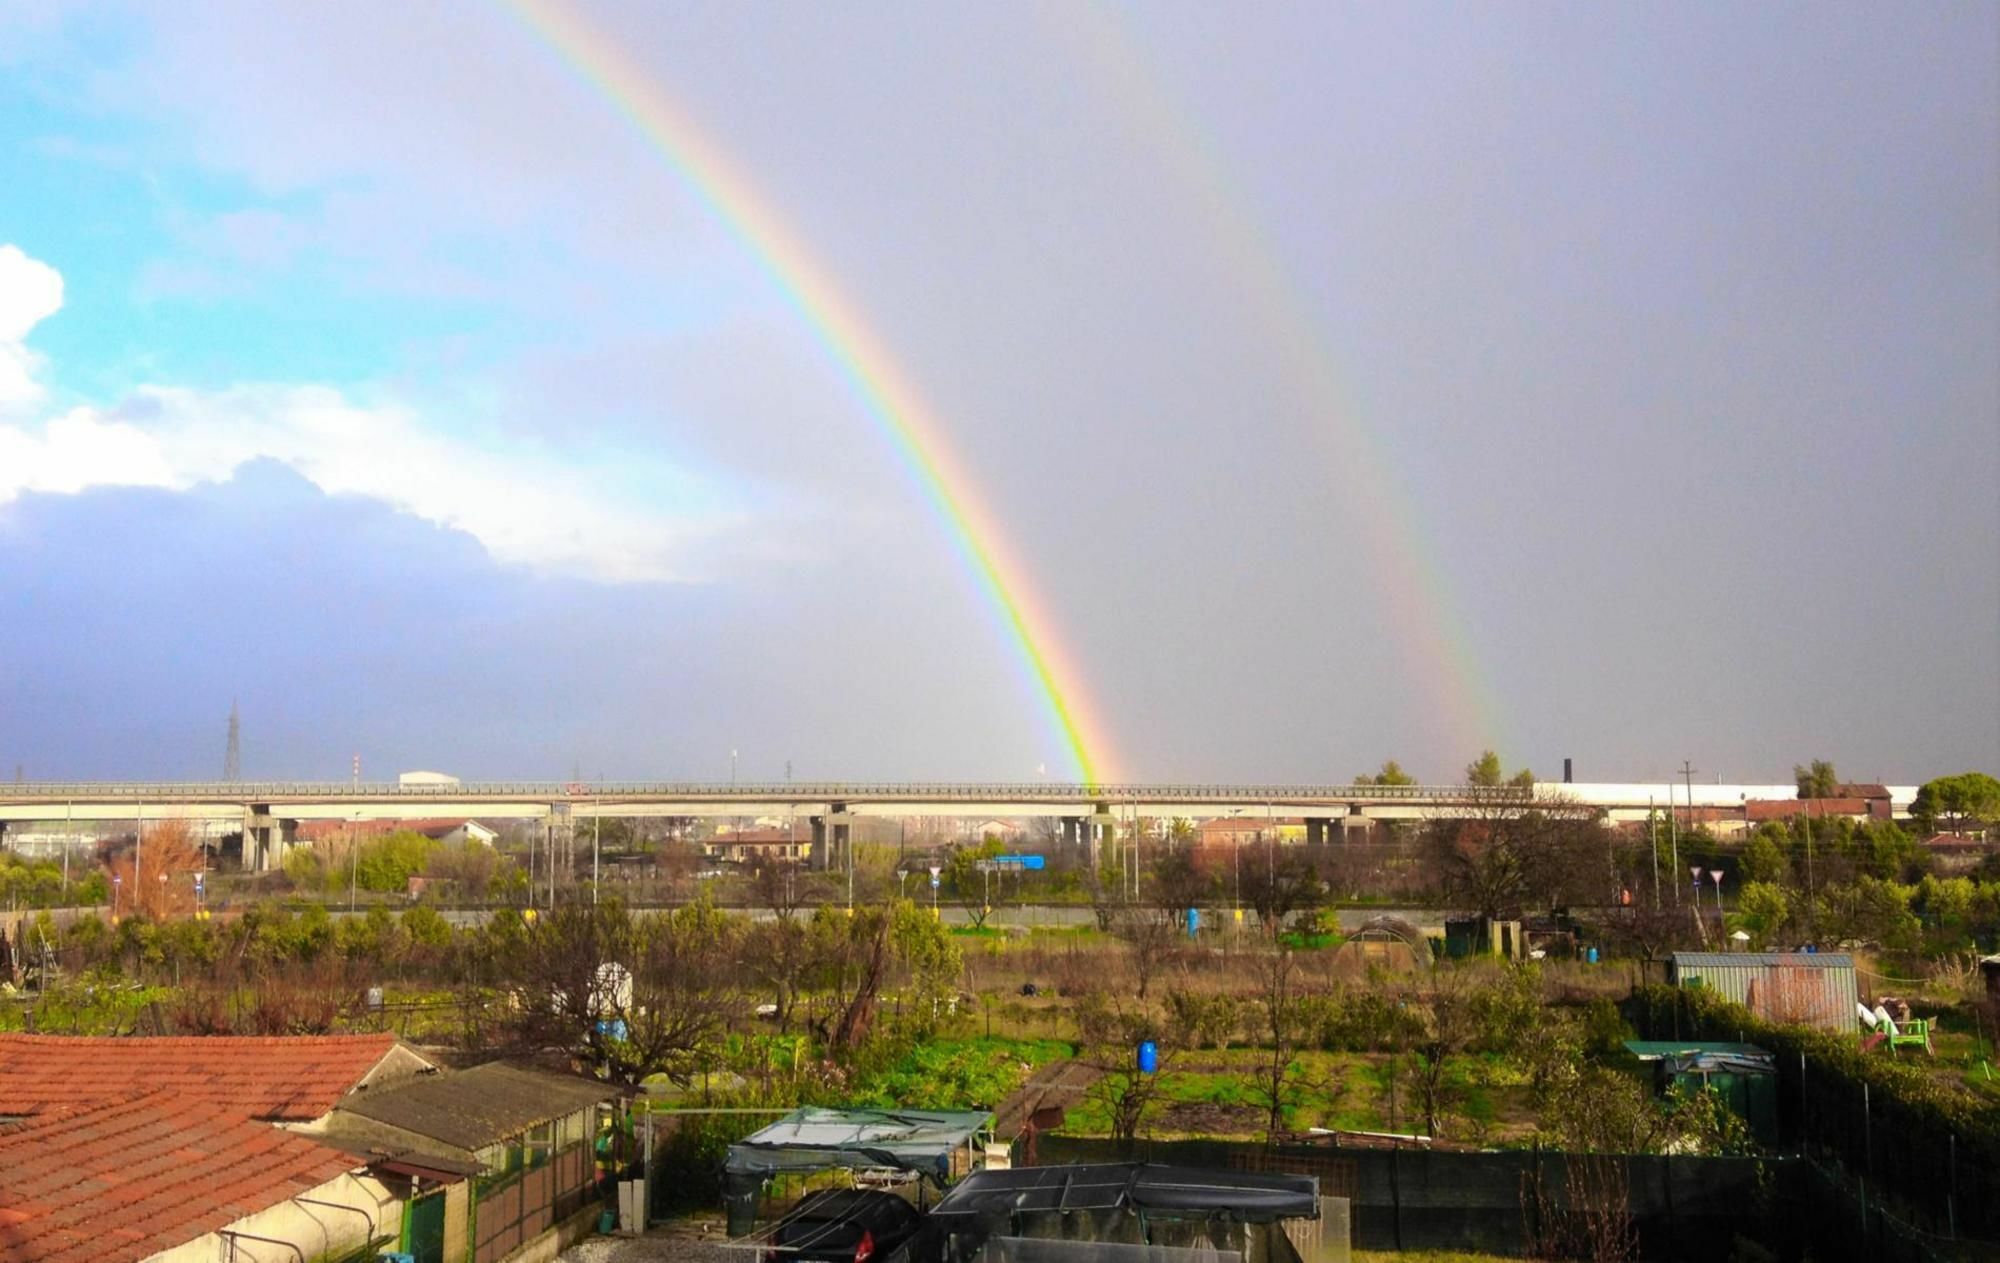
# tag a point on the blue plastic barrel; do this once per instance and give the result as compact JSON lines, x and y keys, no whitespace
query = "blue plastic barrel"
{"x":1149,"y":1057}
{"x":1194,"y":922}
{"x":1593,"y":956}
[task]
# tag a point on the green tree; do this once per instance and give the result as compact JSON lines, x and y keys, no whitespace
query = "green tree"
{"x":1871,"y":910}
{"x":1817,"y":780}
{"x":386,"y":864}
{"x":1484,"y":770}
{"x":1765,"y":907}
{"x":1966,"y":803}
{"x":1764,"y":859}
{"x":1392,"y":773}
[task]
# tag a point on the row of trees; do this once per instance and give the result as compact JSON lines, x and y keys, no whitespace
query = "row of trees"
{"x":627,"y":994}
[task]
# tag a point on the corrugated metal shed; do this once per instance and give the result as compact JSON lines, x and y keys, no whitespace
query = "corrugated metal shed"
{"x":1811,"y":988}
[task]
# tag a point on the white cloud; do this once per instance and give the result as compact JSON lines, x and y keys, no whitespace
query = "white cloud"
{"x":30,"y":292}
{"x":526,"y":507}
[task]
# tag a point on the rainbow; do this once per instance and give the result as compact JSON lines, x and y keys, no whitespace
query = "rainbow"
{"x":879,"y":384}
{"x":1410,"y":577}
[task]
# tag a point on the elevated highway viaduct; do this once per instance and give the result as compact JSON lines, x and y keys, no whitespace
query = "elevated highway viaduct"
{"x":268,"y":812}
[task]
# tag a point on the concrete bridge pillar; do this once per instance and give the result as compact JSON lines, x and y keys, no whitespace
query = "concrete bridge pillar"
{"x":1103,"y":828}
{"x":1315,"y":831}
{"x":267,"y":839}
{"x":831,"y":840}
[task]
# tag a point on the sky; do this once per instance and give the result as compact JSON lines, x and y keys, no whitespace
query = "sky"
{"x":1326,"y":384}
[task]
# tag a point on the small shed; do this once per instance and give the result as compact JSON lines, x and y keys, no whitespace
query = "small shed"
{"x":498,"y":1158}
{"x":1745,"y":1075}
{"x":938,"y":1146}
{"x":1804,"y":988}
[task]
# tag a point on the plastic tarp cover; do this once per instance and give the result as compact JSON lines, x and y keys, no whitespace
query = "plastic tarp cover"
{"x":1187,"y":1192}
{"x":818,"y":1139}
{"x":1721,"y":1063}
{"x":814,"y":1139}
{"x":1034,"y":1250}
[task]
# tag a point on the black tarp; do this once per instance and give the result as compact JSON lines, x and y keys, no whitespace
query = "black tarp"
{"x":1177,"y":1192}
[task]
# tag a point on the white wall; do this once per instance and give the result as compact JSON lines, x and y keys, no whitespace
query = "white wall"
{"x":316,"y":1231}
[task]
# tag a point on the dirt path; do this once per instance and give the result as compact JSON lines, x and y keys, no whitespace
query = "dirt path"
{"x":1058,"y":1085}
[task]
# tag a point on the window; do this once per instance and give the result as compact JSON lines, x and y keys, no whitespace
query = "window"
{"x":536,"y":1145}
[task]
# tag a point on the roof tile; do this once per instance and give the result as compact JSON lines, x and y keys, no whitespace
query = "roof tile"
{"x":285,"y":1078}
{"x":143,"y":1172}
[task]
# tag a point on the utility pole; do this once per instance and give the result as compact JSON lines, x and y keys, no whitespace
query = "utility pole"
{"x":232,"y":758}
{"x":1812,"y":899}
{"x":1653,"y":846}
{"x":1674,"y":841}
{"x":1687,"y":771}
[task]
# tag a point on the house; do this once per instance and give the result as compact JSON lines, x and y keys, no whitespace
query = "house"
{"x":453,"y":831}
{"x":151,"y":1174}
{"x":494,"y":1160}
{"x":758,"y":846}
{"x":181,"y":1148}
{"x":1758,"y":810}
{"x":1245,"y":830}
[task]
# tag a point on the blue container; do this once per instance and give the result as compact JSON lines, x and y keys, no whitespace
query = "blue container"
{"x":1593,"y":956}
{"x":1194,"y":922}
{"x":1149,"y":1057}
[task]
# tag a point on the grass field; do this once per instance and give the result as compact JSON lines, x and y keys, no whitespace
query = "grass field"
{"x":1216,"y":1094}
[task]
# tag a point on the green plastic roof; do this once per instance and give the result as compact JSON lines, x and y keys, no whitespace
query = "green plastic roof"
{"x":1647,"y":1049}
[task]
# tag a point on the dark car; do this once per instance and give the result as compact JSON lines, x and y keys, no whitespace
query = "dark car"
{"x":843,"y":1225}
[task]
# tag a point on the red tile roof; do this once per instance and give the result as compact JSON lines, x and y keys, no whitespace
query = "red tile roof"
{"x":271,"y":1077}
{"x":125,"y":1178}
{"x":761,"y":837}
{"x":314,"y":830}
{"x":1760,"y":809}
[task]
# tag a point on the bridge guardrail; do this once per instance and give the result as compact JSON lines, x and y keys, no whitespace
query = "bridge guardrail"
{"x":1030,"y":792}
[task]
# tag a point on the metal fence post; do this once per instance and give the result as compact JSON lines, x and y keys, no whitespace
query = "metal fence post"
{"x":1805,"y":1132}
{"x":1867,"y":1132}
{"x":1951,"y":1189}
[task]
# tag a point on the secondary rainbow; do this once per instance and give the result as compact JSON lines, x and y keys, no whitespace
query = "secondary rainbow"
{"x":1410,"y":577}
{"x":881,"y":387}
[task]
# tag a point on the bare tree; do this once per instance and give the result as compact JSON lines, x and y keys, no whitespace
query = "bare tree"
{"x":779,"y":953}
{"x":1278,"y":881}
{"x":851,"y":954}
{"x":1591,"y":1220}
{"x":1150,"y":935}
{"x":1448,"y":1023}
{"x":1502,"y":848}
{"x":626,"y":997}
{"x":776,"y":885}
{"x":1282,"y":1017}
{"x":1112,"y":1030}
